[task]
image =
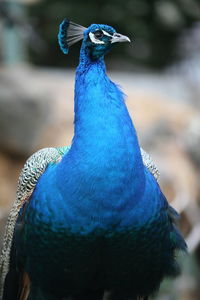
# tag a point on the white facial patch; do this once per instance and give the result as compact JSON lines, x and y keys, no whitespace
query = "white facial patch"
{"x":106,"y":33}
{"x":95,"y":40}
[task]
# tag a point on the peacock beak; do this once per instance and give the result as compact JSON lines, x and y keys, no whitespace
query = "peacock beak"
{"x":118,"y":38}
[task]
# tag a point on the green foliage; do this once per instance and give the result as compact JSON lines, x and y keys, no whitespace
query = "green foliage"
{"x":152,"y":25}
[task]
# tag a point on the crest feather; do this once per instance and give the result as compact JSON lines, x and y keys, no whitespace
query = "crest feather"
{"x":69,"y":34}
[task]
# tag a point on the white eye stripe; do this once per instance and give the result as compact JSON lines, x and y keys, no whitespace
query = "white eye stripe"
{"x":97,"y":41}
{"x":106,"y":33}
{"x":94,"y":40}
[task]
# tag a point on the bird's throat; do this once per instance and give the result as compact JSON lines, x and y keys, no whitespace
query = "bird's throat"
{"x":103,"y":127}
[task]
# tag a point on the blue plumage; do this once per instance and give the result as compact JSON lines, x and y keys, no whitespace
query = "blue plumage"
{"x":97,"y":220}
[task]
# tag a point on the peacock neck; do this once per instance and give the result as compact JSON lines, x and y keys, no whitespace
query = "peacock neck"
{"x":103,"y":169}
{"x":102,"y":123}
{"x":85,"y":61}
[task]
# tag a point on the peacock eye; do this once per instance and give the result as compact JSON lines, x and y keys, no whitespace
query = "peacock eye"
{"x":98,"y":34}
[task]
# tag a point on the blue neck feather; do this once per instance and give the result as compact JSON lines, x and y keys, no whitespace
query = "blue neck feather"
{"x":102,"y":122}
{"x":104,"y":161}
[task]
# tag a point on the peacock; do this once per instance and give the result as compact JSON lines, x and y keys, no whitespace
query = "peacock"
{"x":90,"y":221}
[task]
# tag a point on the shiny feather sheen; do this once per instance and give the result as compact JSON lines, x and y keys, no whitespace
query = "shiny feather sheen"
{"x":32,"y":170}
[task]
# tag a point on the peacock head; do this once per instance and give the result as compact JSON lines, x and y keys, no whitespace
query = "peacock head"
{"x":98,"y":39}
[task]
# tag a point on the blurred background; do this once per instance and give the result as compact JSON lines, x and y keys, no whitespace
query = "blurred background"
{"x":159,"y":71}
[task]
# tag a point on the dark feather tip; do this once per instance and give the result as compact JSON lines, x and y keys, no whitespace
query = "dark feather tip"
{"x":62,"y":36}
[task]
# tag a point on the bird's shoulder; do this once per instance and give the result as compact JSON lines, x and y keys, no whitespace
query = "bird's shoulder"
{"x":164,"y":213}
{"x":34,"y":167}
